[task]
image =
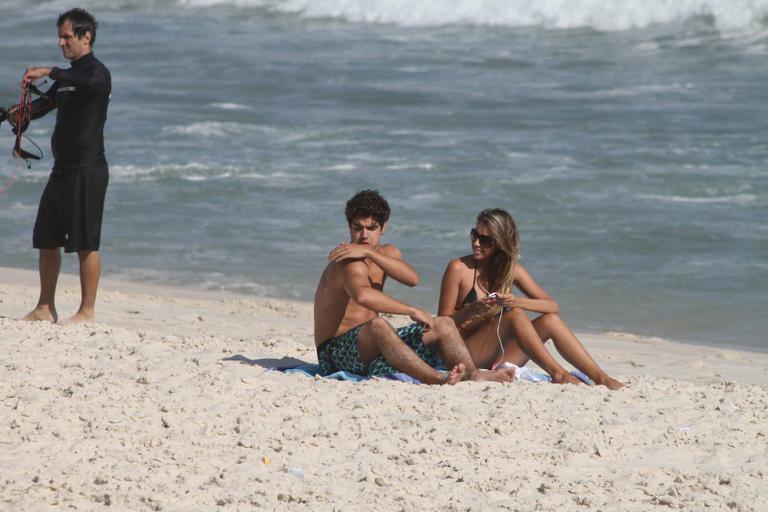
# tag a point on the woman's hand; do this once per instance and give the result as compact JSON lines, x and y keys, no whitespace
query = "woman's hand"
{"x":507,"y":300}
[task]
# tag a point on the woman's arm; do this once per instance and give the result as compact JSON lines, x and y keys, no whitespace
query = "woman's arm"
{"x":449,"y":289}
{"x":536,"y":299}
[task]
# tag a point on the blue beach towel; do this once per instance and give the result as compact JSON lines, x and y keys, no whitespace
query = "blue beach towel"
{"x":312,"y":370}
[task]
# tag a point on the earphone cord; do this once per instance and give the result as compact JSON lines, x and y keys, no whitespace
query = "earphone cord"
{"x":498,"y":335}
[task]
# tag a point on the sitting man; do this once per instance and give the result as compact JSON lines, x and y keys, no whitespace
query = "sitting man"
{"x":350,"y":335}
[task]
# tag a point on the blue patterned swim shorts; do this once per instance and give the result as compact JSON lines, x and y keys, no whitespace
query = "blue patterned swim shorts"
{"x":340,"y":353}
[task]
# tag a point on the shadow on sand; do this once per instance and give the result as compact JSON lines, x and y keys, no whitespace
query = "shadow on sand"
{"x":284,"y":362}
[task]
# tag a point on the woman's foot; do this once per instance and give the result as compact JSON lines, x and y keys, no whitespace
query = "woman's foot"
{"x":610,"y":383}
{"x":565,"y":378}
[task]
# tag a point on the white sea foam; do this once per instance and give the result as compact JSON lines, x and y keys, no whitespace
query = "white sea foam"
{"x":621,"y":92}
{"x":280,"y":178}
{"x":558,"y":14}
{"x":230,"y":106}
{"x":16,"y":210}
{"x":207,"y":281}
{"x":429,"y":197}
{"x":192,"y":171}
{"x":410,"y":167}
{"x":339,"y":168}
{"x":737,"y":199}
{"x":199,"y":177}
{"x":205,"y":129}
{"x":123,"y":171}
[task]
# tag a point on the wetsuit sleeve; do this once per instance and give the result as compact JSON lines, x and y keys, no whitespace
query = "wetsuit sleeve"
{"x":91,"y":79}
{"x":45,"y":103}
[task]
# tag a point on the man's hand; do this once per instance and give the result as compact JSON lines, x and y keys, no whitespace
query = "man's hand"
{"x":36,"y":73}
{"x":349,"y":251}
{"x":12,"y":114}
{"x":422,"y":317}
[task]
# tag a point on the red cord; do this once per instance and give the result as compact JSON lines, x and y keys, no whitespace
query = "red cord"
{"x":24,"y":111}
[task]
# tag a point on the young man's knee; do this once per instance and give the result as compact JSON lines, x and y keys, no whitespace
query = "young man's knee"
{"x":378,"y":326}
{"x":444,"y":326}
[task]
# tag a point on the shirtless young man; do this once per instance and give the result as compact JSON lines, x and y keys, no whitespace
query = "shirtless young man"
{"x":350,"y":335}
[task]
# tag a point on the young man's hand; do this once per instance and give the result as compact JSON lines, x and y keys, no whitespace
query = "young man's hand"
{"x":36,"y":72}
{"x":12,"y":115}
{"x":349,"y":251}
{"x":422,"y":317}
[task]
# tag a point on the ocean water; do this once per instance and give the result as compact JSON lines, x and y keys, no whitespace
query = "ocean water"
{"x":627,"y":137}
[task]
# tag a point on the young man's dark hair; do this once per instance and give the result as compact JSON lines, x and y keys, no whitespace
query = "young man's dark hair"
{"x":82,"y":21}
{"x":367,"y":203}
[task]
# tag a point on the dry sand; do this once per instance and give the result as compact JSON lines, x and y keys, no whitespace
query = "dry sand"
{"x":167,"y":404}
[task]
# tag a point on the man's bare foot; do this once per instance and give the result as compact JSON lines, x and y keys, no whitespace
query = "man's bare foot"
{"x":42,"y":314}
{"x":610,"y":383}
{"x":565,"y":378}
{"x":79,"y":318}
{"x":500,"y":375}
{"x":455,"y":375}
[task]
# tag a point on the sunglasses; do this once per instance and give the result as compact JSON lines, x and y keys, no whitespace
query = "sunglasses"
{"x":485,"y":240}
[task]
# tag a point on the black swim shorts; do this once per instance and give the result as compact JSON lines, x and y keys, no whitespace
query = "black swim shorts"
{"x":71,"y":209}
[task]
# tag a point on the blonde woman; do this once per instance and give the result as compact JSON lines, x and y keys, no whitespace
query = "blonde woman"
{"x":477,"y":291}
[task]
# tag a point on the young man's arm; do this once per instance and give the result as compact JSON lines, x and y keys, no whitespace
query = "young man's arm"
{"x":93,"y":79}
{"x":388,"y":257}
{"x":39,"y":107}
{"x":358,"y":287}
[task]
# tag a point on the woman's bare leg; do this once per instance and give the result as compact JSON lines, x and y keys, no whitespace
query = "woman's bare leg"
{"x":551,"y":326}
{"x":521,"y":341}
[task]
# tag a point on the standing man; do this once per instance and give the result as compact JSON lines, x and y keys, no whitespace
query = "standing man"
{"x":349,"y":333}
{"x":72,"y":203}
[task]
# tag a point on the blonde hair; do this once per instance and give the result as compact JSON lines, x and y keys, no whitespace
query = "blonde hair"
{"x":506,"y":239}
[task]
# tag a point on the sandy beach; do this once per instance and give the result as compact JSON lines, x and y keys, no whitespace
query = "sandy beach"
{"x":169,"y":403}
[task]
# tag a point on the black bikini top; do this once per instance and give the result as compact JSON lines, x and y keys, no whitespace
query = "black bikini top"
{"x":472,"y":294}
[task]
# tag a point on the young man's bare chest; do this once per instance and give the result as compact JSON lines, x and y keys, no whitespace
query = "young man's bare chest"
{"x":376,"y":275}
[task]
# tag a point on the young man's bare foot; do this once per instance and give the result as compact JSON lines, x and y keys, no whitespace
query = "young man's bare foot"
{"x":500,"y":375}
{"x":79,"y":318}
{"x":456,"y":374}
{"x":42,"y":314}
{"x":610,"y":383}
{"x":565,"y":378}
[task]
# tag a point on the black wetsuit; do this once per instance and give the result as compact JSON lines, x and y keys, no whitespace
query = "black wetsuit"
{"x":81,"y":95}
{"x":72,"y":203}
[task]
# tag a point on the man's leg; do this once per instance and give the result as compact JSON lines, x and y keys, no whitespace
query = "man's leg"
{"x":49,"y":266}
{"x":378,"y":338}
{"x":88,"y":186}
{"x":90,"y":269}
{"x":454,"y":351}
